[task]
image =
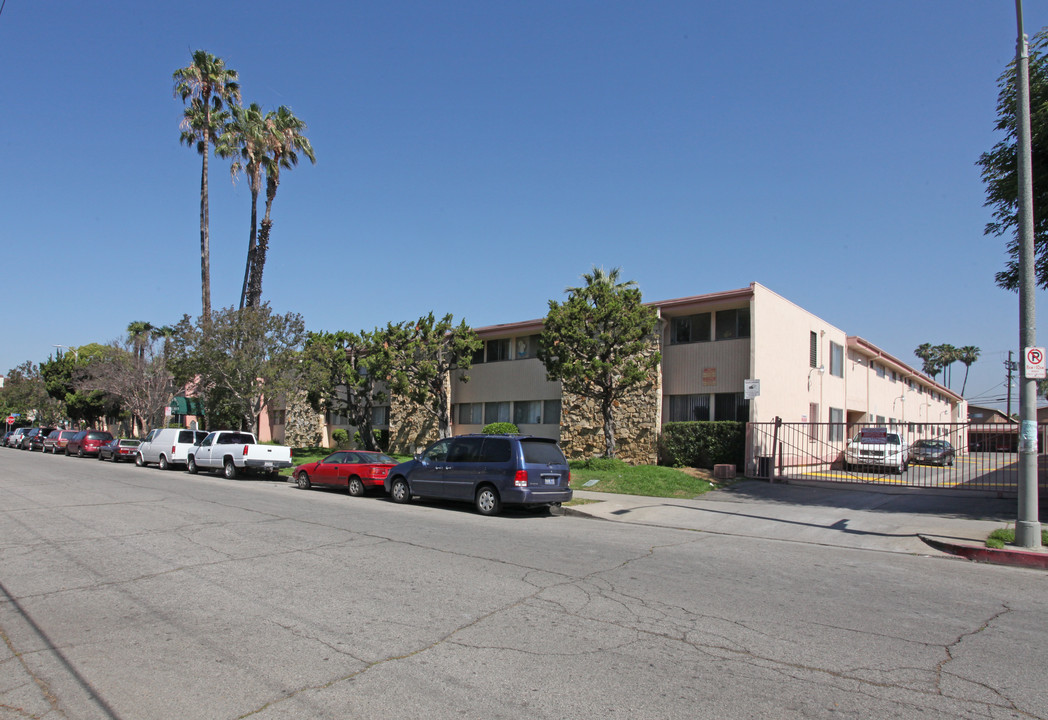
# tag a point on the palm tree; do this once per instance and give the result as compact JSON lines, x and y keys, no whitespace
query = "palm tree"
{"x":246,"y":141}
{"x":926,"y":353}
{"x":286,"y":141}
{"x":967,"y":355}
{"x":140,"y":332}
{"x":945,"y":356}
{"x":208,"y":85}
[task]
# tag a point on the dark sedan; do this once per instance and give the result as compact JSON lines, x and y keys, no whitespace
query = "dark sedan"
{"x":119,"y":450}
{"x":932,"y":452}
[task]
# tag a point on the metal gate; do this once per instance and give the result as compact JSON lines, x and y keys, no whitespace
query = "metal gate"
{"x":960,"y":456}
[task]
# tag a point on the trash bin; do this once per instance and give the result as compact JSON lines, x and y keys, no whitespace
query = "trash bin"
{"x":764,"y":466}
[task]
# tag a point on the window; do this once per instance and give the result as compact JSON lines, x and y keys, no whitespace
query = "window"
{"x":813,"y":350}
{"x":551,"y":412}
{"x":527,"y":412}
{"x":836,"y":424}
{"x":526,"y":347}
{"x":496,"y":412}
{"x":813,"y":418}
{"x":467,"y":449}
{"x":688,"y":408}
{"x":497,"y":350}
{"x":733,"y":324}
{"x":731,"y":406}
{"x":693,"y":328}
{"x":495,"y":450}
{"x":836,"y":360}
{"x":471,"y":414}
{"x":879,"y":368}
{"x":380,"y":416}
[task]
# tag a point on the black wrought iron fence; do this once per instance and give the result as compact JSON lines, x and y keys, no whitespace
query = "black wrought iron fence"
{"x":963,"y":456}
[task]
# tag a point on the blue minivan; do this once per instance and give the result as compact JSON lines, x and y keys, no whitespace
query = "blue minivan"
{"x":487,"y":470}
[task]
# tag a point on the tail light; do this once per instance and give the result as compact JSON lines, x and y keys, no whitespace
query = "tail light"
{"x":520,"y":478}
{"x":172,"y":451}
{"x":245,"y":450}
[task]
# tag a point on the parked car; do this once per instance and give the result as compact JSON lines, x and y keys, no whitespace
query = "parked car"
{"x":57,"y":440}
{"x":15,"y":438}
{"x":234,"y":451}
{"x":87,"y":442}
{"x":488,"y":470}
{"x":354,"y":470}
{"x":119,"y":449}
{"x":34,"y":439}
{"x":932,"y":452}
{"x":3,"y":440}
{"x":877,"y":447}
{"x":167,"y":447}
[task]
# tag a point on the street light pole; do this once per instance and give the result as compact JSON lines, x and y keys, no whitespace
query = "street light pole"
{"x":1027,"y":525}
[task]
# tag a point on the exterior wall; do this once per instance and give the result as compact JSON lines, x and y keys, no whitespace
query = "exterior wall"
{"x":303,"y":426}
{"x":790,"y":386}
{"x":411,"y":427}
{"x":517,"y":380}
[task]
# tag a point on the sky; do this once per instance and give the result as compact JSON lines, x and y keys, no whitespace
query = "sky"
{"x":477,"y":157}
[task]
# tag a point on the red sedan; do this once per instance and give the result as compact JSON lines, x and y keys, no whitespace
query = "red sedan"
{"x":351,"y":469}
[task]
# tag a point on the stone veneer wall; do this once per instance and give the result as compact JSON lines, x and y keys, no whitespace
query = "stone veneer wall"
{"x":411,"y":427}
{"x":304,"y":427}
{"x":637,"y":427}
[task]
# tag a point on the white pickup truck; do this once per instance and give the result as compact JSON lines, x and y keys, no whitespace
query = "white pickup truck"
{"x":878,"y":447}
{"x":234,"y":452}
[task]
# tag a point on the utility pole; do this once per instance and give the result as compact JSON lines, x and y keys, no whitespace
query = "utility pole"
{"x":1027,"y":524}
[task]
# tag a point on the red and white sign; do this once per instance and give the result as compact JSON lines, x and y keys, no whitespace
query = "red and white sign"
{"x":1035,"y":366}
{"x":10,"y":420}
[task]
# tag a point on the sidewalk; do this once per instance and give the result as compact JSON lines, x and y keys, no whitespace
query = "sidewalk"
{"x":903,"y":520}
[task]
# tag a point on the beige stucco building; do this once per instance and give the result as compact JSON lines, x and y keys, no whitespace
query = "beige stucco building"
{"x":713,"y":346}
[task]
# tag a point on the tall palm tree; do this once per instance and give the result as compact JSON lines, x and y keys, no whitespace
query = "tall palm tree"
{"x":208,"y":85}
{"x":967,"y":355}
{"x":246,"y":140}
{"x":140,"y":332}
{"x":286,"y":141}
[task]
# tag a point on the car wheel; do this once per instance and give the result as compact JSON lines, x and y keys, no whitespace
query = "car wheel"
{"x":399,"y":491}
{"x":356,"y":487}
{"x":138,"y":460}
{"x":100,"y":458}
{"x":487,"y":501}
{"x":303,"y":481}
{"x":80,"y":452}
{"x":229,"y":470}
{"x":163,"y":463}
{"x":191,"y":465}
{"x":115,"y":457}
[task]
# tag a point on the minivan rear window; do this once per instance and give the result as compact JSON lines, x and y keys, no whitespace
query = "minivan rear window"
{"x":99,"y":436}
{"x":545,"y":453}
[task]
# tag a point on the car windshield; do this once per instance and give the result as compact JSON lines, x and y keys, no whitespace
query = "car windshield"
{"x":130,"y":443}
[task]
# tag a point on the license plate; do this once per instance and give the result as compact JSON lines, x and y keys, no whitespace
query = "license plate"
{"x":550,"y":479}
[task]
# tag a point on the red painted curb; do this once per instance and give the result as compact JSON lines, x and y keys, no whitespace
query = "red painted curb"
{"x":1014,"y":558}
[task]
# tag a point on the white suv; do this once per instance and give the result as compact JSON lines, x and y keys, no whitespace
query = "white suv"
{"x":878,"y":447}
{"x":167,"y":447}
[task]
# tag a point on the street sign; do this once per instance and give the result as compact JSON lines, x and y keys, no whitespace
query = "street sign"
{"x":10,"y":420}
{"x":1035,"y":365}
{"x":751,"y":388}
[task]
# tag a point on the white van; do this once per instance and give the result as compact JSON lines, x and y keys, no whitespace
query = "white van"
{"x":167,"y":447}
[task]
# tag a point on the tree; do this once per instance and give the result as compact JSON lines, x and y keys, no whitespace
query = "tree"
{"x":945,"y":356}
{"x":25,"y":394}
{"x":62,"y":374}
{"x":967,"y":355}
{"x":246,"y":140}
{"x":239,"y":361}
{"x":600,"y":343}
{"x":417,"y":360}
{"x":1000,"y":168}
{"x":209,"y":86}
{"x":342,"y":372}
{"x":139,"y":333}
{"x":284,"y":141}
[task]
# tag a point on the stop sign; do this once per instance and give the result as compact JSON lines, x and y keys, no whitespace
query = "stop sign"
{"x":10,"y":420}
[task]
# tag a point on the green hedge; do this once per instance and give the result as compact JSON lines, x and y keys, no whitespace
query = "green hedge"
{"x":702,"y":444}
{"x":500,"y":428}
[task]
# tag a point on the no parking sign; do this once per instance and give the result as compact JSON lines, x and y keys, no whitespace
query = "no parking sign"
{"x":1035,"y":366}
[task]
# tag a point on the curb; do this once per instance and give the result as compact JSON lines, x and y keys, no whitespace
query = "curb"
{"x":1014,"y":558}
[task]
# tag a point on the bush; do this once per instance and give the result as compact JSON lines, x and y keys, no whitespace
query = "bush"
{"x":381,"y":439}
{"x":340,"y":437}
{"x":500,"y":428}
{"x":702,"y":444}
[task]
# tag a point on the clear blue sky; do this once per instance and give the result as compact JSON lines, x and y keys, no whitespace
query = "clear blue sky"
{"x":478,"y":157}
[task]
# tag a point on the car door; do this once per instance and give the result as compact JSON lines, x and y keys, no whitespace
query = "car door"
{"x":203,"y":451}
{"x":329,"y":470}
{"x":426,"y":478}
{"x":148,"y":448}
{"x":465,"y":468}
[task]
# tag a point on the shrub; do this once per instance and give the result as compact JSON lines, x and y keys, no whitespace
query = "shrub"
{"x":381,"y":439}
{"x":702,"y":444}
{"x":500,"y":428}
{"x":340,"y":437}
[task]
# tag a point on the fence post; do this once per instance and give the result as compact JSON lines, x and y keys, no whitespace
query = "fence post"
{"x":775,"y":450}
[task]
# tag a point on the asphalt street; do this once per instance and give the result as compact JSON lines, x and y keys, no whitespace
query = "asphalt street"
{"x":136,"y":593}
